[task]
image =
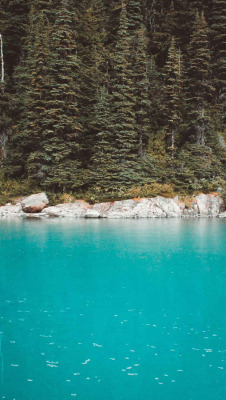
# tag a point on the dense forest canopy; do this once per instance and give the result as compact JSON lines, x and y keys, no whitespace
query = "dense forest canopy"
{"x":102,"y":96}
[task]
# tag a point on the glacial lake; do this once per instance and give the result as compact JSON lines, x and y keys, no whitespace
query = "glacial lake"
{"x":112,"y":310}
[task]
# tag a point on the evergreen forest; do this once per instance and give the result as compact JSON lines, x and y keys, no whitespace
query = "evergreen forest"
{"x":111,"y":99}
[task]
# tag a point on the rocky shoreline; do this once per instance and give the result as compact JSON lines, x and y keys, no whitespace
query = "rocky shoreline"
{"x":37,"y":206}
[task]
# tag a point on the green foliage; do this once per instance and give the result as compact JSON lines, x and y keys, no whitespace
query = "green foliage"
{"x":173,"y":85}
{"x":199,"y":86}
{"x":10,"y":189}
{"x":113,"y":99}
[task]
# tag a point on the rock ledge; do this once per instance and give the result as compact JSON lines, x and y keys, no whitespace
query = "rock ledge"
{"x":203,"y":205}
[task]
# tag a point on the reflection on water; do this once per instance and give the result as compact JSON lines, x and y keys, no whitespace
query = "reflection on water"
{"x":112,"y":309}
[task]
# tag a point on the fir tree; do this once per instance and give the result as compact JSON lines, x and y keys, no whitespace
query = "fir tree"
{"x":37,"y":98}
{"x":199,"y":86}
{"x":141,"y":89}
{"x":92,"y":94}
{"x":94,"y":58}
{"x":122,"y":123}
{"x":135,"y":17}
{"x":62,"y":128}
{"x":5,"y":120}
{"x":173,"y":94}
{"x":156,"y":143}
{"x":102,"y":163}
{"x":218,"y":37}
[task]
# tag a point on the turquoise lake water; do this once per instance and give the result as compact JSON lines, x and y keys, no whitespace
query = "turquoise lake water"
{"x":113,"y":310}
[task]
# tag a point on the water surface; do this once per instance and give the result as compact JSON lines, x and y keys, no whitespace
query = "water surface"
{"x":112,"y":310}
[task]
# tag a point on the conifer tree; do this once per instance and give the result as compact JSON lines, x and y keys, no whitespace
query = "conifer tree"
{"x":92,"y":94}
{"x":24,"y":153}
{"x":101,"y":163}
{"x":156,"y":143}
{"x":173,"y":94}
{"x":162,"y":23}
{"x":94,"y":57}
{"x":135,"y":17}
{"x":37,"y":97}
{"x":141,"y":89}
{"x":122,"y":123}
{"x":154,"y":164}
{"x":63,"y":130}
{"x":139,"y":64}
{"x":199,"y":86}
{"x":31,"y":77}
{"x":218,"y":37}
{"x":5,"y":120}
{"x":16,"y":12}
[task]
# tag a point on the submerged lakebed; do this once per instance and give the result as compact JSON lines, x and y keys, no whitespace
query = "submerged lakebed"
{"x":117,"y":310}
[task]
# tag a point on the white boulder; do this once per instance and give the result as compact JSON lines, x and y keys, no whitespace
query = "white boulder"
{"x":34,"y":203}
{"x":11,"y":211}
{"x":209,"y":205}
{"x":92,"y":214}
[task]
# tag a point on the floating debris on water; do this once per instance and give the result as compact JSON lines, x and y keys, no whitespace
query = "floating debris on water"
{"x":86,"y":362}
{"x":46,"y":336}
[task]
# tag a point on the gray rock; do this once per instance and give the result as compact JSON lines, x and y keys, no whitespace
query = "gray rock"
{"x":102,"y":208}
{"x":122,"y":209}
{"x":209,"y":205}
{"x":35,"y":203}
{"x":168,"y":206}
{"x":11,"y":211}
{"x":203,"y":205}
{"x":69,"y":210}
{"x":91,"y":214}
{"x":222,"y":215}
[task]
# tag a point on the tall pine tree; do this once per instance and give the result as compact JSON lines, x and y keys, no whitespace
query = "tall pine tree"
{"x":173,"y":100}
{"x":199,"y":85}
{"x":123,"y":123}
{"x":62,"y":134}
